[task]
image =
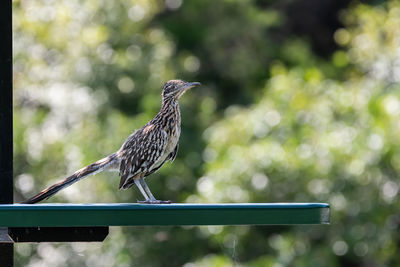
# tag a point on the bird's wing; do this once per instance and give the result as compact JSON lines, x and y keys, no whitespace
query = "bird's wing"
{"x":172,"y":155}
{"x":141,"y":151}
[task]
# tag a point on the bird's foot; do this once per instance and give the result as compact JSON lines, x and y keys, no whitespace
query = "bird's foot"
{"x":155,"y":201}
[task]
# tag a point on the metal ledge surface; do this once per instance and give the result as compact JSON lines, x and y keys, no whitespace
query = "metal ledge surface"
{"x":71,"y":215}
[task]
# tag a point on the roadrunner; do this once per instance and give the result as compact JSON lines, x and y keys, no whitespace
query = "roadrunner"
{"x":143,"y":152}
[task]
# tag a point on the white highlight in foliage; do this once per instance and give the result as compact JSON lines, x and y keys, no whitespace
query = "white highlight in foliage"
{"x":83,"y":66}
{"x":375,"y":142}
{"x":392,"y":105}
{"x":260,"y":129}
{"x":25,"y":182}
{"x":105,"y":52}
{"x":273,"y":118}
{"x":137,"y":12}
{"x":340,"y":248}
{"x":51,"y":256}
{"x":209,"y":155}
{"x":318,"y":186}
{"x":35,"y":144}
{"x":304,"y":151}
{"x":126,"y":85}
{"x":342,"y":137}
{"x":235,"y":193}
{"x":259,"y":181}
{"x":74,"y":158}
{"x":205,"y":185}
{"x":356,"y":167}
{"x":389,"y":191}
{"x":215,"y":229}
{"x":338,"y":202}
{"x":191,"y":64}
{"x":173,"y":4}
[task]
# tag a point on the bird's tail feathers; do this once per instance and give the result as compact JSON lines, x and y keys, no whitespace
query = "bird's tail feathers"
{"x":89,"y":170}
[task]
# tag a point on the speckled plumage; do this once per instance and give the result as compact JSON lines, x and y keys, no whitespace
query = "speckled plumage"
{"x":147,"y":149}
{"x":142,"y":153}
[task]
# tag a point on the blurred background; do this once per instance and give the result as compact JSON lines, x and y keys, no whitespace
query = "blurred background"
{"x":300,"y":103}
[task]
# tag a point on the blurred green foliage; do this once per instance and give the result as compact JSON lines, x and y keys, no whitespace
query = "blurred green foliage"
{"x":277,"y":120}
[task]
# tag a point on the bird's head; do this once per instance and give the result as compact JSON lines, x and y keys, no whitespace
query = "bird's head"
{"x":176,"y":88}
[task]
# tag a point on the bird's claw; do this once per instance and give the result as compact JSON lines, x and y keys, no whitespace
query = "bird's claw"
{"x":155,"y":201}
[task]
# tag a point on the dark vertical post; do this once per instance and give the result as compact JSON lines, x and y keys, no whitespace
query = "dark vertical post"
{"x":6,"y":137}
{"x":6,"y":133}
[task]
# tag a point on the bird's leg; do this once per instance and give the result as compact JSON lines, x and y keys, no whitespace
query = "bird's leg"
{"x":137,"y":183}
{"x":153,"y":200}
{"x":147,"y":189}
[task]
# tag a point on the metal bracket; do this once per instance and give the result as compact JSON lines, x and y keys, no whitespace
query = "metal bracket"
{"x":4,"y":236}
{"x":58,"y":234}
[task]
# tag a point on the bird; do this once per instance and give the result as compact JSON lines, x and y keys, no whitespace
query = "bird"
{"x":142,"y":153}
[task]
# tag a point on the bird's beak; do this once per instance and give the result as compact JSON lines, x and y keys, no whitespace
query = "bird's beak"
{"x":190,"y":85}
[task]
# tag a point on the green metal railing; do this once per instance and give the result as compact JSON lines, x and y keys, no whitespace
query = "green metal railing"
{"x":70,"y":215}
